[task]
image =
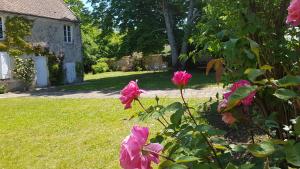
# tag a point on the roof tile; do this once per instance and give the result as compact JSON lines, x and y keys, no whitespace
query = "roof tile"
{"x":55,"y":9}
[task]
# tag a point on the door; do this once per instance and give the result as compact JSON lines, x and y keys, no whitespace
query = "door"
{"x":5,"y":66}
{"x":42,"y":73}
{"x":70,"y":72}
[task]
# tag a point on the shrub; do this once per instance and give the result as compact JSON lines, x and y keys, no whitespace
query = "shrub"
{"x":55,"y":66}
{"x":100,"y":67}
{"x":2,"y":89}
{"x":24,"y":70}
{"x":186,"y":141}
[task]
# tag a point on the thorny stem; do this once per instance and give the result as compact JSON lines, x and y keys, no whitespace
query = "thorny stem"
{"x":203,"y":135}
{"x":148,"y":112}
{"x":167,"y":158}
{"x":186,"y":105}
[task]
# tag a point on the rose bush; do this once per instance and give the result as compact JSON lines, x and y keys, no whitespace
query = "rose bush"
{"x":265,"y":103}
{"x":188,"y":142}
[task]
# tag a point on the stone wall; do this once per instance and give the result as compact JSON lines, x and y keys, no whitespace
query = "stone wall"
{"x":50,"y":33}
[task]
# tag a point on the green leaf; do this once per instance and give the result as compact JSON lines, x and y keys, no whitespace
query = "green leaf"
{"x":249,"y":54}
{"x":171,"y":165}
{"x":237,"y":148}
{"x":238,"y":95}
{"x":285,"y":94}
{"x":266,"y":67}
{"x":293,"y":154}
{"x":289,"y":81}
{"x":231,"y":166}
{"x":261,"y":150}
{"x":176,"y":117}
{"x":174,"y":107}
{"x":186,"y":159}
{"x":254,"y":73}
{"x":254,"y":47}
{"x":247,"y":166}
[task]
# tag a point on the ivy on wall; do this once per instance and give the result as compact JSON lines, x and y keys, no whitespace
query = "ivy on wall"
{"x":15,"y":44}
{"x":17,"y":29}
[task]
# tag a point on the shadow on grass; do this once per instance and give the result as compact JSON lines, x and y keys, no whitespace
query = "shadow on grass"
{"x":147,"y":81}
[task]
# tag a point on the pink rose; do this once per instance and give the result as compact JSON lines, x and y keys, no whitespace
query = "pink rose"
{"x":294,"y":13}
{"x":228,"y":118}
{"x":242,"y":83}
{"x":135,"y":153}
{"x":130,"y":93}
{"x":181,"y":78}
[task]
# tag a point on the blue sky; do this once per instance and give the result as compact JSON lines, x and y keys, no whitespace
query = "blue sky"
{"x":87,"y":4}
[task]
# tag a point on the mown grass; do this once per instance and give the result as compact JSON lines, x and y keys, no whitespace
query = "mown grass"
{"x":65,"y":133}
{"x":115,"y":81}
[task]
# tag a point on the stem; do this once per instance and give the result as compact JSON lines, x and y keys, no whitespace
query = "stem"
{"x":148,"y":112}
{"x":213,"y":150}
{"x":186,"y":105}
{"x":165,"y":120}
{"x":167,"y":158}
{"x":252,"y":136}
{"x":203,"y":135}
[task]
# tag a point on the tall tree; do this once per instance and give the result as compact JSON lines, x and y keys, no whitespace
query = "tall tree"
{"x":139,"y":22}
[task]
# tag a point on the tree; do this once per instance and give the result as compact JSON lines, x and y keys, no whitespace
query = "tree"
{"x":138,"y":21}
{"x":148,"y":25}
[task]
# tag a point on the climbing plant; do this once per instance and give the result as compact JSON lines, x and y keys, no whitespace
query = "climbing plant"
{"x":17,"y":29}
{"x":15,"y":44}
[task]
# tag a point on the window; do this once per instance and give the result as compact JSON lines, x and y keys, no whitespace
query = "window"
{"x":1,"y":28}
{"x":68,"y":34}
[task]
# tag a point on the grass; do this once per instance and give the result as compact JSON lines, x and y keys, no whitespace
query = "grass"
{"x":115,"y":81}
{"x":65,"y":133}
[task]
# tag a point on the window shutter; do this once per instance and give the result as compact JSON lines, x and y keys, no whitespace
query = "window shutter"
{"x":5,"y":66}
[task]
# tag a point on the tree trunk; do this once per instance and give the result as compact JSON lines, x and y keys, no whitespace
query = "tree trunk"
{"x":170,"y":33}
{"x":187,"y":31}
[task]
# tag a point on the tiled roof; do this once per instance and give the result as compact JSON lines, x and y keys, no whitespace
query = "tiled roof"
{"x":55,"y":9}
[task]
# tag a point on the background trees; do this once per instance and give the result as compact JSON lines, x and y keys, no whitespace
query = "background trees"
{"x":131,"y":26}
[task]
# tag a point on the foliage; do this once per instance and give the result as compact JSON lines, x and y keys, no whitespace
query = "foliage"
{"x":55,"y":67}
{"x":24,"y":70}
{"x":100,"y":67}
{"x":15,"y":44}
{"x":79,"y":70}
{"x":2,"y":89}
{"x":190,"y":143}
{"x":246,"y":44}
{"x":17,"y":29}
{"x":140,"y":23}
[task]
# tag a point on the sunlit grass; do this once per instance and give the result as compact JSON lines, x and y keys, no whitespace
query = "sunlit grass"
{"x":65,"y":133}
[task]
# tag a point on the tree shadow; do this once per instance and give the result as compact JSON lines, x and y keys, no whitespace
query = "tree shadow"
{"x":147,"y":81}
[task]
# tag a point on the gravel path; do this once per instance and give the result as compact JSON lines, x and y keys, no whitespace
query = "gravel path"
{"x":52,"y":93}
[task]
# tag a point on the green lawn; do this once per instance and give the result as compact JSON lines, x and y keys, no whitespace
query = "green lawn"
{"x":115,"y":81}
{"x":64,"y":133}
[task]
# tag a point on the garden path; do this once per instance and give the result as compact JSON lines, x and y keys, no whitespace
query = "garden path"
{"x":205,"y":92}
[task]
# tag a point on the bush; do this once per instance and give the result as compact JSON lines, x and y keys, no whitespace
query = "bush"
{"x":2,"y":89}
{"x":24,"y":71}
{"x":100,"y":67}
{"x":56,"y":74}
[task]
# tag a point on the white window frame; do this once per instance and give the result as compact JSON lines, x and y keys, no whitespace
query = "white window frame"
{"x":3,"y":27}
{"x":66,"y":35}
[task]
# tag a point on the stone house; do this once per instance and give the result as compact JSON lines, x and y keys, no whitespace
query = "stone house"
{"x":55,"y":27}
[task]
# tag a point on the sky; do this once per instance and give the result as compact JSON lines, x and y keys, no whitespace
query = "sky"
{"x":87,"y":4}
